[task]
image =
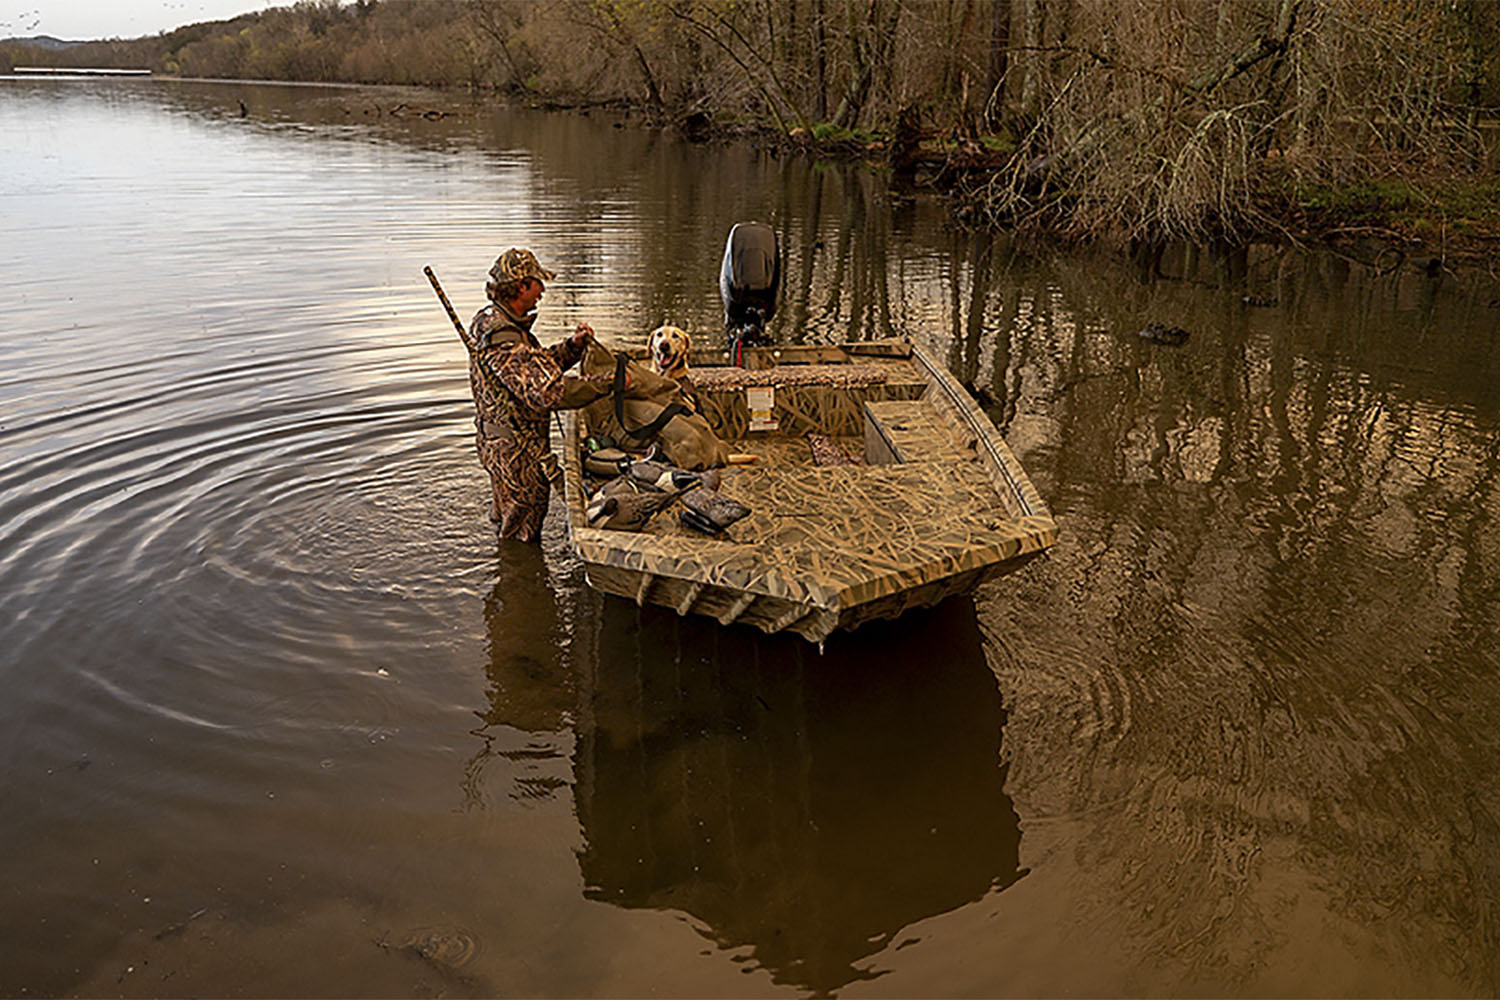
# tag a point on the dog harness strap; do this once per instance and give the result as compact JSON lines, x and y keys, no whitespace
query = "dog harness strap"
{"x":617,"y":390}
{"x":654,"y":427}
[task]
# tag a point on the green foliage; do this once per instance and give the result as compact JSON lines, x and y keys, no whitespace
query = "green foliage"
{"x":831,"y":133}
{"x":1405,"y":201}
{"x":1362,"y":197}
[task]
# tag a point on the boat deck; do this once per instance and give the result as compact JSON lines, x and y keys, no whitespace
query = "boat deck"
{"x":924,"y":506}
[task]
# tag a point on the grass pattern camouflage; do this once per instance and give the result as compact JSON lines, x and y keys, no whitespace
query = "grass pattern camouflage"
{"x":942,"y":506}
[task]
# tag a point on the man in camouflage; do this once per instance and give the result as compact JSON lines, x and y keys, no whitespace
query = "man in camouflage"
{"x":517,"y":384}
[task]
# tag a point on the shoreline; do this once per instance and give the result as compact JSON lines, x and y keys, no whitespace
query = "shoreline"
{"x":1404,"y":215}
{"x":1358,"y":215}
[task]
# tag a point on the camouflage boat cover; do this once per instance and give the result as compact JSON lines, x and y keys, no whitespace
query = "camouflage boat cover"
{"x":940,"y":505}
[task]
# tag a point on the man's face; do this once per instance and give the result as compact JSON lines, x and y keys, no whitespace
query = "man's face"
{"x":530,"y":294}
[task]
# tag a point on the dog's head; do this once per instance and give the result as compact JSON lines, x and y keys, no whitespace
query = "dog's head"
{"x":669,"y":348}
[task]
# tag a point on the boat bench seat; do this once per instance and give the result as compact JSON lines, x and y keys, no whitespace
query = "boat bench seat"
{"x":801,"y":405}
{"x":898,"y":431}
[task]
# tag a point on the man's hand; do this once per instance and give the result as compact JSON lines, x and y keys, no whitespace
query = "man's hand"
{"x":582,"y":334}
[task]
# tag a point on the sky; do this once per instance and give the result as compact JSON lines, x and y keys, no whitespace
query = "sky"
{"x":84,"y":20}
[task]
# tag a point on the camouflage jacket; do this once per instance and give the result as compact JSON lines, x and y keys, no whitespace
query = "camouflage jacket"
{"x":517,"y":381}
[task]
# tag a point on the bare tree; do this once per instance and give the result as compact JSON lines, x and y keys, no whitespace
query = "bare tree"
{"x":820,"y":59}
{"x":1031,"y":42}
{"x":497,"y":21}
{"x":870,"y":39}
{"x":718,"y":23}
{"x":997,"y":63}
{"x":1136,"y":118}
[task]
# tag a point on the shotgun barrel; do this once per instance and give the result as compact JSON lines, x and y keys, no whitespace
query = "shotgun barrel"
{"x":457,"y":324}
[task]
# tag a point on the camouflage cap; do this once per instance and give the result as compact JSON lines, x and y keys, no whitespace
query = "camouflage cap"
{"x":517,"y":264}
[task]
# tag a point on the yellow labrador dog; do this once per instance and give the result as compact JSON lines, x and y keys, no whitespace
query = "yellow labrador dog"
{"x":670,"y":347}
{"x":687,"y":440}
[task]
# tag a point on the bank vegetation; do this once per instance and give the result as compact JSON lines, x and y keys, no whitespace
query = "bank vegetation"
{"x":1130,"y":119}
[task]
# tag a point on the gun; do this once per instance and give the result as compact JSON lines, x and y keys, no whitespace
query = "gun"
{"x":442,"y":297}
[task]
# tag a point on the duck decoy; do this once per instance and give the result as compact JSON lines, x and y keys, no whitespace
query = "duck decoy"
{"x":625,"y":510}
{"x":656,"y":475}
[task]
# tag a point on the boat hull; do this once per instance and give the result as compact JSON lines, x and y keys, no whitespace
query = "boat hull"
{"x":777,"y":614}
{"x":933,"y":505}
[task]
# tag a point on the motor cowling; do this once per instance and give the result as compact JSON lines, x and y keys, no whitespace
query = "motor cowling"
{"x":749,"y":281}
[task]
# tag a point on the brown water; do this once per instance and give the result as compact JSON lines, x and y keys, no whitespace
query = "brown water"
{"x":280,"y":716}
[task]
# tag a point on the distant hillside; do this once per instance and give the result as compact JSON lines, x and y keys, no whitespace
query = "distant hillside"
{"x":39,"y":42}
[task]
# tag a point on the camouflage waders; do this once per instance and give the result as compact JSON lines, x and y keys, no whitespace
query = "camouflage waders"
{"x":517,"y":383}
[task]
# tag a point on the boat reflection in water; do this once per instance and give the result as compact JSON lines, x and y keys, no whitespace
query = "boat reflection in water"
{"x":806,"y":807}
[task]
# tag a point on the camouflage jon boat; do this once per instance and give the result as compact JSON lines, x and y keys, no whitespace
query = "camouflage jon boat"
{"x":881,"y":487}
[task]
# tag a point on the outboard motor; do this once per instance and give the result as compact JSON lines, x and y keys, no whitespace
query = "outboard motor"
{"x":748,"y":282}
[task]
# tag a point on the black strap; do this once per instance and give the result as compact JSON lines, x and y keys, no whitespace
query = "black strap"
{"x":654,"y":427}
